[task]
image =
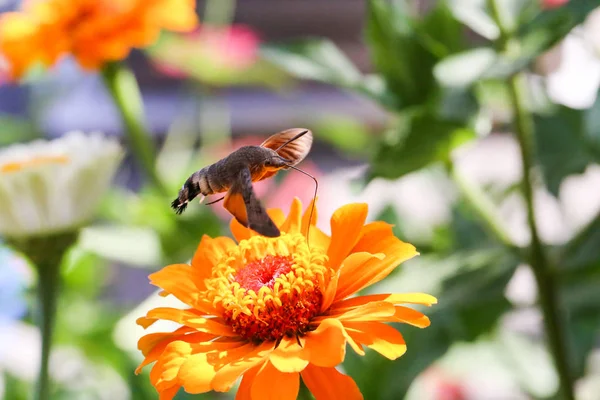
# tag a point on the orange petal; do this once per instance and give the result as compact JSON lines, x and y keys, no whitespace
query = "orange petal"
{"x":378,"y":336}
{"x":178,"y":280}
{"x":169,"y":393}
{"x":149,"y":341}
{"x":228,"y":373}
{"x":244,"y":391}
{"x":289,"y":356}
{"x":196,"y":374}
{"x":346,"y":225}
{"x":153,"y":353}
{"x":373,"y":270}
{"x":395,"y":298}
{"x":186,"y":317}
{"x":207,"y":255}
{"x":307,"y":214}
{"x":293,"y":223}
{"x":329,"y":384}
{"x":330,"y":292}
{"x":352,"y":269}
{"x":164,"y":373}
{"x":326,"y":345}
{"x":375,"y":237}
{"x":374,"y":311}
{"x":409,"y":316}
{"x":271,"y":384}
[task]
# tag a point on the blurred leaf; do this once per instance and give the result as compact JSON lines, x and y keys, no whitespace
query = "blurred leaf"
{"x":464,"y":69}
{"x":564,"y":146}
{"x":404,"y":61}
{"x":13,"y":130}
{"x":540,"y":34}
{"x":134,"y":246}
{"x":470,"y":304}
{"x":440,"y":31}
{"x":314,"y":59}
{"x":425,"y":139}
{"x":345,"y":133}
{"x":473,"y":13}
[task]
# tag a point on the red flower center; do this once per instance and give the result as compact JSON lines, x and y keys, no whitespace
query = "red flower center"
{"x":287,"y":313}
{"x":263,"y":272}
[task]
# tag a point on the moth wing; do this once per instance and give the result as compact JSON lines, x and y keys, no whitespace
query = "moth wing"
{"x":242,"y":203}
{"x":294,"y":151}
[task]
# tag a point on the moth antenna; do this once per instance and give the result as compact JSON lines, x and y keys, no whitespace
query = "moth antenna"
{"x":291,"y":140}
{"x":312,"y":209}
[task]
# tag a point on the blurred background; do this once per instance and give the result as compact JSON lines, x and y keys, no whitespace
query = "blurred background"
{"x":410,"y":111}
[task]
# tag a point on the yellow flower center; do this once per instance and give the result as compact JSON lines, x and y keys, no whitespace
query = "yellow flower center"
{"x":270,"y":287}
{"x":34,"y":161}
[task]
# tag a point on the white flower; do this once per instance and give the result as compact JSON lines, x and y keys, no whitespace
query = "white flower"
{"x":575,"y":82}
{"x":53,"y":186}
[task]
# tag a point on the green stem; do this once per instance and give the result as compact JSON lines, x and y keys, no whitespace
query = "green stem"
{"x":123,"y":87}
{"x":46,"y":253}
{"x":554,"y":321}
{"x":481,"y":204}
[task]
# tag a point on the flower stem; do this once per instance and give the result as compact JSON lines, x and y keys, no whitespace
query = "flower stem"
{"x":481,"y":204}
{"x":46,"y":253}
{"x":545,"y":279}
{"x":123,"y":87}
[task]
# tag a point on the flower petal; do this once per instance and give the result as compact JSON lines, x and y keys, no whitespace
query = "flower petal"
{"x":378,"y":336}
{"x":330,"y":291}
{"x":316,"y":237}
{"x":373,"y":270}
{"x":409,"y":316}
{"x":352,"y":270}
{"x":289,"y":356}
{"x":272,"y":384}
{"x":207,"y":255}
{"x":394,"y":298}
{"x":178,"y":280}
{"x":326,"y":345}
{"x":373,"y":311}
{"x":244,"y":391}
{"x":196,"y":374}
{"x":187,"y":317}
{"x":227,"y":374}
{"x":329,"y":384}
{"x":164,"y":373}
{"x":293,"y":222}
{"x":375,"y":237}
{"x":346,"y":224}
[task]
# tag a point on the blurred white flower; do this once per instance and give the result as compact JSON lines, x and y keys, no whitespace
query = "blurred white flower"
{"x":575,"y":81}
{"x":53,"y":186}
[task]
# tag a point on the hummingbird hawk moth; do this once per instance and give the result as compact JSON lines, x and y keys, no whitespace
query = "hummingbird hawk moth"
{"x":235,"y":173}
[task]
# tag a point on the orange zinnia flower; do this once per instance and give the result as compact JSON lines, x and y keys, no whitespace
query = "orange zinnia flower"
{"x":274,"y":309}
{"x":93,"y":31}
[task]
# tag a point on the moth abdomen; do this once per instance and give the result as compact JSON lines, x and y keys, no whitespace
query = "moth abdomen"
{"x":197,"y":184}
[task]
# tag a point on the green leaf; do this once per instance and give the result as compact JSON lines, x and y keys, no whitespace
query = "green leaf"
{"x":464,"y":69}
{"x":404,"y":61}
{"x":474,"y":14}
{"x":542,"y":33}
{"x":470,"y":305}
{"x":424,"y":140}
{"x":13,"y":130}
{"x":564,"y":145}
{"x":314,"y":59}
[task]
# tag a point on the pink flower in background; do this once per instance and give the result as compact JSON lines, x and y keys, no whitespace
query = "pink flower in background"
{"x":233,"y":48}
{"x":553,"y":3}
{"x":441,"y":386}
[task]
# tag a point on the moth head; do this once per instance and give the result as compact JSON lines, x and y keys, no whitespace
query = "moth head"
{"x":276,"y":162}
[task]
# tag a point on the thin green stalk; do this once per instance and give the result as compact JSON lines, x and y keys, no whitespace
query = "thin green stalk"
{"x":481,"y":204}
{"x":123,"y":87}
{"x":46,"y":253}
{"x":554,"y":321}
